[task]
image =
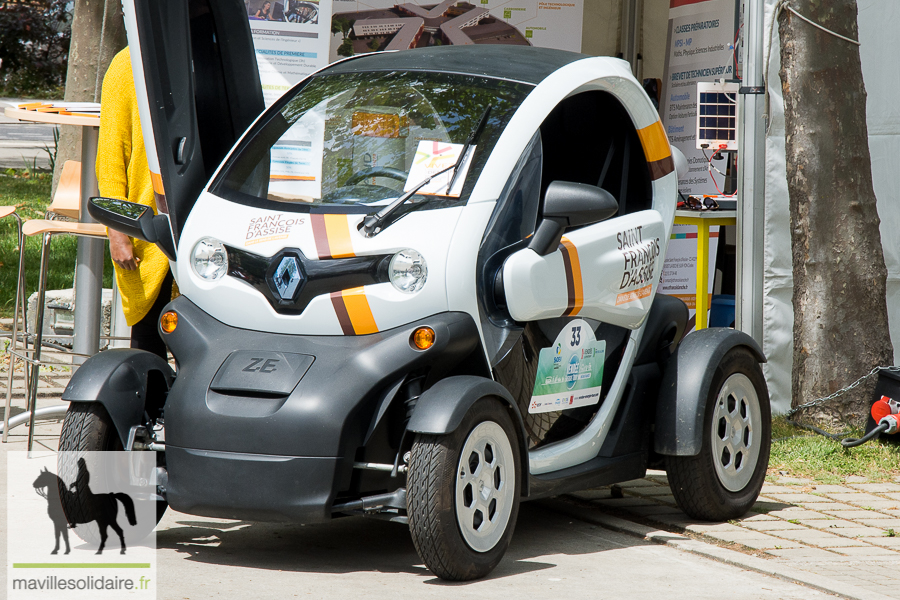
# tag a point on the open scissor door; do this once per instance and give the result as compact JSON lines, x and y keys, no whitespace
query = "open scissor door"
{"x":197,"y":87}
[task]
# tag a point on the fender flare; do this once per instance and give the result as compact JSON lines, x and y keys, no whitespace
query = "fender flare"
{"x":685,"y":387}
{"x":118,"y":379}
{"x":441,"y":409}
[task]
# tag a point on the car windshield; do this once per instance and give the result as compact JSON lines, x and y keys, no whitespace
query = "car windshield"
{"x":362,"y":139}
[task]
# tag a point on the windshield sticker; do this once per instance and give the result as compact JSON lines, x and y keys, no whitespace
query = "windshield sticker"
{"x":296,"y":164}
{"x":433,"y":157}
{"x":570,"y":372}
{"x":640,"y":264}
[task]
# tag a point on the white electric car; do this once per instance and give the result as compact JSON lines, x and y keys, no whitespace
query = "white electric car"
{"x":420,"y":287}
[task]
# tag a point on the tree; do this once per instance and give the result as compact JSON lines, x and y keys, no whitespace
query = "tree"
{"x":33,"y":46}
{"x":346,"y":48}
{"x":840,"y":309}
{"x":98,"y":33}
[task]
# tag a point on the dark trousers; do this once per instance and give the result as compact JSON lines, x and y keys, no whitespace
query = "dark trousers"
{"x":145,"y":333}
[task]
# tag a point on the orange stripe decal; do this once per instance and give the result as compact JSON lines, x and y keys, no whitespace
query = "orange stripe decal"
{"x":656,"y":150}
{"x":655,"y":143}
{"x":359,"y":311}
{"x":337,"y":229}
{"x":574,"y":284}
{"x":156,"y":182}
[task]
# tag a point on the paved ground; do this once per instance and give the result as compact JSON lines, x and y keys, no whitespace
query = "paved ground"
{"x":848,"y":533}
{"x":22,"y":144}
{"x":834,"y":539}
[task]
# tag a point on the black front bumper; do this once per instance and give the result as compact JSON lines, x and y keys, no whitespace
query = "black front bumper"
{"x":260,"y":455}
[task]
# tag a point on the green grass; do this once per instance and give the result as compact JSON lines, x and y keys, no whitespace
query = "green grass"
{"x":30,"y":193}
{"x":804,"y":454}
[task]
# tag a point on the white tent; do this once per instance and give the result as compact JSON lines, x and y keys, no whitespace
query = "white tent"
{"x":878,"y":22}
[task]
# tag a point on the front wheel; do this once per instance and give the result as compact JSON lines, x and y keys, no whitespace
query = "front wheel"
{"x":88,"y":428}
{"x":463,"y":493}
{"x":724,"y":480}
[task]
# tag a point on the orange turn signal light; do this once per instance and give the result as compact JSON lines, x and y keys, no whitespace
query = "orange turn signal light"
{"x":168,"y":321}
{"x":423,"y":338}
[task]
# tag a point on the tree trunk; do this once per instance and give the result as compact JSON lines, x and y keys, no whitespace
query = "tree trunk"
{"x":93,"y":48}
{"x":840,"y":310}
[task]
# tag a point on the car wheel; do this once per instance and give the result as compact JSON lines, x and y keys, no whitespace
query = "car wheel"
{"x":724,"y":480}
{"x":463,"y":493}
{"x":87,"y":427}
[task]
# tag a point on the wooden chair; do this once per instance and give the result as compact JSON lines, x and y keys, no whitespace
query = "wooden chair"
{"x":18,"y":310}
{"x":67,"y":199}
{"x":47,"y":229}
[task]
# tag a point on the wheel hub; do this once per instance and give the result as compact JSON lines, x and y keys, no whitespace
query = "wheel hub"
{"x":735,"y":427}
{"x":485,"y":487}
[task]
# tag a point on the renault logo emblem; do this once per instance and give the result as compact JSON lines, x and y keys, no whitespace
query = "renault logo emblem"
{"x":287,"y":278}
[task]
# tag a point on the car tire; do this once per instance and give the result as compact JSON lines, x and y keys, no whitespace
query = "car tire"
{"x":723,"y":481}
{"x":463,"y":493}
{"x":87,"y":427}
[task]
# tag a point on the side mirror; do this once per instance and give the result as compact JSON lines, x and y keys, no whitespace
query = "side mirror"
{"x":568,"y":204}
{"x":134,"y":220}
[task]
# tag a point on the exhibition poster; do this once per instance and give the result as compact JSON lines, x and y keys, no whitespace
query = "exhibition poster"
{"x":701,"y":47}
{"x":291,"y":40}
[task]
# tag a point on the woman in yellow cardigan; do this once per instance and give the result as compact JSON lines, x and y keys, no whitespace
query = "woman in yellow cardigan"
{"x":142,"y":270}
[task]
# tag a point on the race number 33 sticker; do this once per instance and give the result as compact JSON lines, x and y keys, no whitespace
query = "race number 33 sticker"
{"x":570,"y":372}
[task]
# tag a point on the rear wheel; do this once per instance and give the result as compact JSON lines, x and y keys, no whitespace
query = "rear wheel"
{"x":463,"y":493}
{"x":724,"y":480}
{"x":88,"y":428}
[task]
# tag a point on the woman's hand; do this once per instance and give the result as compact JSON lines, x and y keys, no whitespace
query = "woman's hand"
{"x":121,"y":249}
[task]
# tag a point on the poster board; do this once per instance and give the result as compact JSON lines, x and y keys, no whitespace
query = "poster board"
{"x":701,"y":46}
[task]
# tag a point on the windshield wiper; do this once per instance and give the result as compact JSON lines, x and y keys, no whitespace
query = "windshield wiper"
{"x":374,"y":224}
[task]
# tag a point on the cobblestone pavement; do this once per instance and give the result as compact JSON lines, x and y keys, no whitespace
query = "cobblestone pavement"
{"x":849,"y":532}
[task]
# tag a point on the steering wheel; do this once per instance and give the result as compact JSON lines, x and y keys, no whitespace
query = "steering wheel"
{"x":390,"y":172}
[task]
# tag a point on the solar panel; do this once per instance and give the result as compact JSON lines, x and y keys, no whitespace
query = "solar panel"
{"x":717,"y":115}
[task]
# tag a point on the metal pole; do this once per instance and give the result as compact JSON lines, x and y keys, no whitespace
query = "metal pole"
{"x":89,"y":265}
{"x":629,"y":28}
{"x":751,"y":170}
{"x":38,"y":335}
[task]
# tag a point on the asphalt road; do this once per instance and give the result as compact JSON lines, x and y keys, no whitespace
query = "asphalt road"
{"x":552,"y":556}
{"x":22,"y":144}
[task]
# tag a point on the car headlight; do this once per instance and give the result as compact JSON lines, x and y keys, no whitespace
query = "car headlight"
{"x":408,"y":271}
{"x":209,"y":259}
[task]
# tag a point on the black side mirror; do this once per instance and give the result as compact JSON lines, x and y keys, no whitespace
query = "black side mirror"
{"x":568,"y":204}
{"x":134,"y":220}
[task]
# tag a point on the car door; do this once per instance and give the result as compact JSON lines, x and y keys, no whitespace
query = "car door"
{"x":198,"y":89}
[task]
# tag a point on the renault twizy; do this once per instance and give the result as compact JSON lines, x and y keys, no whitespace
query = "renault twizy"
{"x":420,"y":287}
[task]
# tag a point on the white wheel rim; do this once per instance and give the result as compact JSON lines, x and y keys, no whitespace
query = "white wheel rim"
{"x":485,"y":484}
{"x":736,"y":430}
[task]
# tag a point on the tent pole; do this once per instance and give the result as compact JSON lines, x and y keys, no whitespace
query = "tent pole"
{"x":751,"y":172}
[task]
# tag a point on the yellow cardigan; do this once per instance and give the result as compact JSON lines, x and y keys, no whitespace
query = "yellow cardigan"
{"x":122,"y":173}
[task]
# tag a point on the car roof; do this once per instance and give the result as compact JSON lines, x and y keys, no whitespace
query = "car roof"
{"x":515,"y":63}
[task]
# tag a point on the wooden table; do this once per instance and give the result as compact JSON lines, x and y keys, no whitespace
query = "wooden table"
{"x":89,"y":262}
{"x":703,"y":220}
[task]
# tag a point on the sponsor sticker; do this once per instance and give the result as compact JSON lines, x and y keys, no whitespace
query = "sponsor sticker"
{"x":570,"y":371}
{"x":267,"y":228}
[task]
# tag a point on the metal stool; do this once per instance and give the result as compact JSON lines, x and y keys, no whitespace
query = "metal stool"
{"x":6,"y":211}
{"x":47,"y":229}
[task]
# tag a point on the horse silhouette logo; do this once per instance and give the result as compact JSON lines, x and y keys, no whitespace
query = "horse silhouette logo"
{"x":67,"y":506}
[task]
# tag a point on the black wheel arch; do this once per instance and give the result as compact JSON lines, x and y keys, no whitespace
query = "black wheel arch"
{"x":441,"y":408}
{"x":685,"y":387}
{"x":126,"y":382}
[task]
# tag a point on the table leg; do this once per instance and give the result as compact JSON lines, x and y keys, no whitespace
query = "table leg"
{"x":701,"y":315}
{"x":89,"y":265}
